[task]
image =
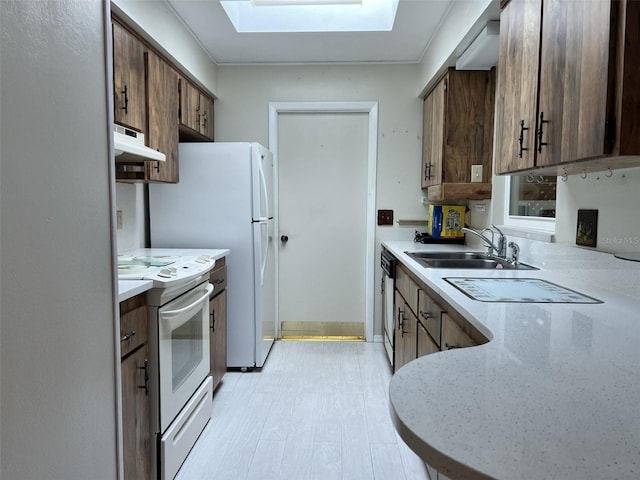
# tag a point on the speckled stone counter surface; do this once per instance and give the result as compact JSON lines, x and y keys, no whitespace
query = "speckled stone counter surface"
{"x":554,"y":394}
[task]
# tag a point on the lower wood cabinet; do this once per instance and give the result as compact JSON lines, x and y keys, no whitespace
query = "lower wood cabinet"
{"x":218,"y":322}
{"x":134,"y":370}
{"x":425,"y":324}
{"x":453,"y":336}
{"x":218,"y":336}
{"x":407,"y":332}
{"x":426,"y":345}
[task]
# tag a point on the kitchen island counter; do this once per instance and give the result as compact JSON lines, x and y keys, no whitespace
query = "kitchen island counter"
{"x":555,"y":393}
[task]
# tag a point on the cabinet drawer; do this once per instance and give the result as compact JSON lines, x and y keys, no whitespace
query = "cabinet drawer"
{"x":133,"y":324}
{"x":218,"y":278}
{"x":430,"y":315}
{"x":426,"y":345}
{"x":407,"y":288}
{"x":453,"y":336}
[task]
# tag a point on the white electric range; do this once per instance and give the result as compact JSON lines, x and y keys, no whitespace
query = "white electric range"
{"x":180,"y":386}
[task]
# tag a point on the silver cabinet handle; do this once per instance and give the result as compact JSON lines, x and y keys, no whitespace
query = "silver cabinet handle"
{"x":145,"y":367}
{"x":127,"y":336}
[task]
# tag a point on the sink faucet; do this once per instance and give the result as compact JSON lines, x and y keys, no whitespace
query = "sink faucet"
{"x":515,"y":252}
{"x":500,"y":249}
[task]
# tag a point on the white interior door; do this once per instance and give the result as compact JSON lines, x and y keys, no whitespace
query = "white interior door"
{"x":322,"y":203}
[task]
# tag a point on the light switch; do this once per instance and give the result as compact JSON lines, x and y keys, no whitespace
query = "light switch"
{"x":476,"y":173}
{"x":385,"y":217}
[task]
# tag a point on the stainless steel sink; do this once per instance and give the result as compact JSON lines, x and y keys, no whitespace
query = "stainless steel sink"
{"x":447,"y":255}
{"x":462,"y":260}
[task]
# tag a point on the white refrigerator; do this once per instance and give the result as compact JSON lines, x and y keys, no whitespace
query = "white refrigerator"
{"x":224,"y":199}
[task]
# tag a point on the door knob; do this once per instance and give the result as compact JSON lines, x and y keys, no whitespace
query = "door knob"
{"x":284,"y":238}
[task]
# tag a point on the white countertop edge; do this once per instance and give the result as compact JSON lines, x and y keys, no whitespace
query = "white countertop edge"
{"x":130,"y":288}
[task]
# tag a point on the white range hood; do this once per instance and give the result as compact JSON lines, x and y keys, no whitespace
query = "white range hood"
{"x":129,"y":146}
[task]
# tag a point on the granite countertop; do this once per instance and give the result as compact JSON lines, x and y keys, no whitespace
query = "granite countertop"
{"x":555,"y":393}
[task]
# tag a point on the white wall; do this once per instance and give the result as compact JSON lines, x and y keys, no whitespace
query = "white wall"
{"x":464,"y":20}
{"x":57,"y":311}
{"x":617,"y":200}
{"x":242,"y":115}
{"x":130,"y":201}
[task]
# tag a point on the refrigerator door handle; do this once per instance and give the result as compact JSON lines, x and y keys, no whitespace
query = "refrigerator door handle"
{"x":264,"y":234}
{"x":264,"y":192}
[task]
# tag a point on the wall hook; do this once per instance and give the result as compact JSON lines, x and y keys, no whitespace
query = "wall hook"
{"x":583,"y":175}
{"x":530,"y":177}
{"x":565,"y":175}
{"x":609,"y":173}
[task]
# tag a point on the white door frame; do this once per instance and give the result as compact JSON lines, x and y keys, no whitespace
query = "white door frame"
{"x":370,"y":108}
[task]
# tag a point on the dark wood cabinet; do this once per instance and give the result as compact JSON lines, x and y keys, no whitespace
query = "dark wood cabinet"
{"x":196,"y":113}
{"x":425,"y":323}
{"x":583,"y":114}
{"x":457,"y":134}
{"x":155,"y":97}
{"x":218,"y":325}
{"x":162,"y":85}
{"x":218,"y":322}
{"x":128,"y":80}
{"x":134,"y":366}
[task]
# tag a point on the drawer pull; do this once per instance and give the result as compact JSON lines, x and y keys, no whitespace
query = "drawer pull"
{"x":145,"y":367}
{"x":127,"y":336}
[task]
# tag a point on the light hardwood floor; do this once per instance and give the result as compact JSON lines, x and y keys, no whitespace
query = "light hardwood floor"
{"x":317,"y":410}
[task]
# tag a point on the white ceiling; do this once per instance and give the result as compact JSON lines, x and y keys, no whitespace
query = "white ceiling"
{"x":416,"y":23}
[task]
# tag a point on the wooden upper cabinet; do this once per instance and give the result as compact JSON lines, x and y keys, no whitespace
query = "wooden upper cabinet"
{"x":517,"y":92}
{"x":207,"y":116}
{"x":128,"y":80}
{"x":584,"y":113}
{"x":458,"y":133}
{"x":196,"y":112}
{"x":162,"y":85}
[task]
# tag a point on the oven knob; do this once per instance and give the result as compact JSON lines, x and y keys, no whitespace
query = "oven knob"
{"x":174,"y":271}
{"x":164,"y":273}
{"x":203,"y":259}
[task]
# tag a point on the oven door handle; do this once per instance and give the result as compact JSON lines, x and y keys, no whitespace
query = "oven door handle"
{"x":179,"y":311}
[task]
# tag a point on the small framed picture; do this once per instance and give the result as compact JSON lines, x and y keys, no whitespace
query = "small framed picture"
{"x":587,"y":231}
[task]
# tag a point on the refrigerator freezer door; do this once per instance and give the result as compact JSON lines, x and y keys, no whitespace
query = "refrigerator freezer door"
{"x":262,"y":178}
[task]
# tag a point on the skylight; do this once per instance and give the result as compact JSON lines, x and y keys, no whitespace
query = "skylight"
{"x":311,"y":15}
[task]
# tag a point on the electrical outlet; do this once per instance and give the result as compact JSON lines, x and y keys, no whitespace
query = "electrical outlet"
{"x":476,"y":173}
{"x":385,"y":217}
{"x":119,"y":219}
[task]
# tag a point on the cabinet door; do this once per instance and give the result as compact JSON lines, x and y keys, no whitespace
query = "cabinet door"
{"x":407,"y":288}
{"x":136,"y":431}
{"x":520,"y":24}
{"x":218,"y":336}
{"x":574,"y":80}
{"x":426,"y":345}
{"x":189,"y":105}
{"x":433,"y":134}
{"x":453,"y":336}
{"x":163,"y":118}
{"x":128,"y":80}
{"x":430,"y":314}
{"x":133,"y":324}
{"x":206,"y":116}
{"x":409,"y":337}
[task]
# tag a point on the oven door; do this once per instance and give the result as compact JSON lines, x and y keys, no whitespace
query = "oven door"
{"x":183,"y":350}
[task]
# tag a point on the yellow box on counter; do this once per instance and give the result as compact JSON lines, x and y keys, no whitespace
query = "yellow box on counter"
{"x":446,"y":221}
